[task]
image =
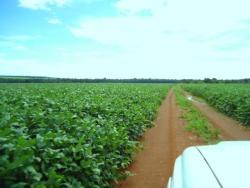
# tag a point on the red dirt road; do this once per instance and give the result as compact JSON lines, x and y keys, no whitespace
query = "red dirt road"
{"x":162,"y":144}
{"x":229,"y":128}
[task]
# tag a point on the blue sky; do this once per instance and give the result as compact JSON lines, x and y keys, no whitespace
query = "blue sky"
{"x":125,"y":38}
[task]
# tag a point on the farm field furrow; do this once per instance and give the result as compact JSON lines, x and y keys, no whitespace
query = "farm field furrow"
{"x":72,"y":135}
{"x":231,"y":99}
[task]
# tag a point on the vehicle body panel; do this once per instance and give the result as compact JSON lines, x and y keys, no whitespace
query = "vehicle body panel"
{"x":230,"y":162}
{"x":226,"y":164}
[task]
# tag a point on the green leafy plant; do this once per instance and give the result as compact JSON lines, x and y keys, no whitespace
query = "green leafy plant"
{"x":72,"y":135}
{"x":196,"y":122}
{"x":231,"y":99}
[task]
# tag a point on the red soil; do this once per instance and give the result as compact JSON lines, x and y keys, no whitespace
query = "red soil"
{"x":229,"y":128}
{"x":162,"y":144}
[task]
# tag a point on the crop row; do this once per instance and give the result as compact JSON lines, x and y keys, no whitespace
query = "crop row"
{"x":231,"y":99}
{"x":72,"y":135}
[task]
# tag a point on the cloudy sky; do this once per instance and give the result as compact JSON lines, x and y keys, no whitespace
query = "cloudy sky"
{"x":125,"y":38}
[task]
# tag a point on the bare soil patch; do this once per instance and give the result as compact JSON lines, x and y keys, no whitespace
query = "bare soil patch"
{"x":162,"y":144}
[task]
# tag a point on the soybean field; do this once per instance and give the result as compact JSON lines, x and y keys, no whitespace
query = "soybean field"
{"x":87,"y":135}
{"x":72,"y":135}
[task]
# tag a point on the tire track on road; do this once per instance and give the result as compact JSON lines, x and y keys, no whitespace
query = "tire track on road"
{"x":162,"y":144}
{"x":230,"y":129}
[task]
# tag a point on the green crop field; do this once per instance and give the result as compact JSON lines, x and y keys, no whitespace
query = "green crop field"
{"x":72,"y":135}
{"x":231,"y":99}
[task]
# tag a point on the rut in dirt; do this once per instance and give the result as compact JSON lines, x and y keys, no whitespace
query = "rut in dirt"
{"x":162,"y":144}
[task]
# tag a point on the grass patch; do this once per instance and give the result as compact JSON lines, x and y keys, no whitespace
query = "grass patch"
{"x":196,"y":122}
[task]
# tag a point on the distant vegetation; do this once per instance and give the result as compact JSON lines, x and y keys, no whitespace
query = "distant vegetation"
{"x":32,"y":79}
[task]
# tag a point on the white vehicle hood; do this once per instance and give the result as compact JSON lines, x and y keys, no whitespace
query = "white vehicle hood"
{"x":230,"y":162}
{"x":226,"y":165}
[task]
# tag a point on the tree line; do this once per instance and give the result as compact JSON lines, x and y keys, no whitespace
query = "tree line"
{"x":30,"y":79}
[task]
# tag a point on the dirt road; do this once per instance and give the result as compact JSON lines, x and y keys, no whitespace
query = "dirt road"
{"x":162,"y":144}
{"x":229,"y":128}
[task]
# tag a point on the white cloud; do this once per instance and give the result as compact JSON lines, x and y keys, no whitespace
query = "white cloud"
{"x":182,"y":38}
{"x":17,"y":38}
{"x":22,"y":67}
{"x":54,"y":21}
{"x":20,"y":47}
{"x":16,"y":42}
{"x":192,"y":19}
{"x":205,"y":18}
{"x":99,"y":64}
{"x":13,"y":45}
{"x":123,"y":31}
{"x":42,"y":4}
{"x":147,"y":38}
{"x":132,"y":6}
